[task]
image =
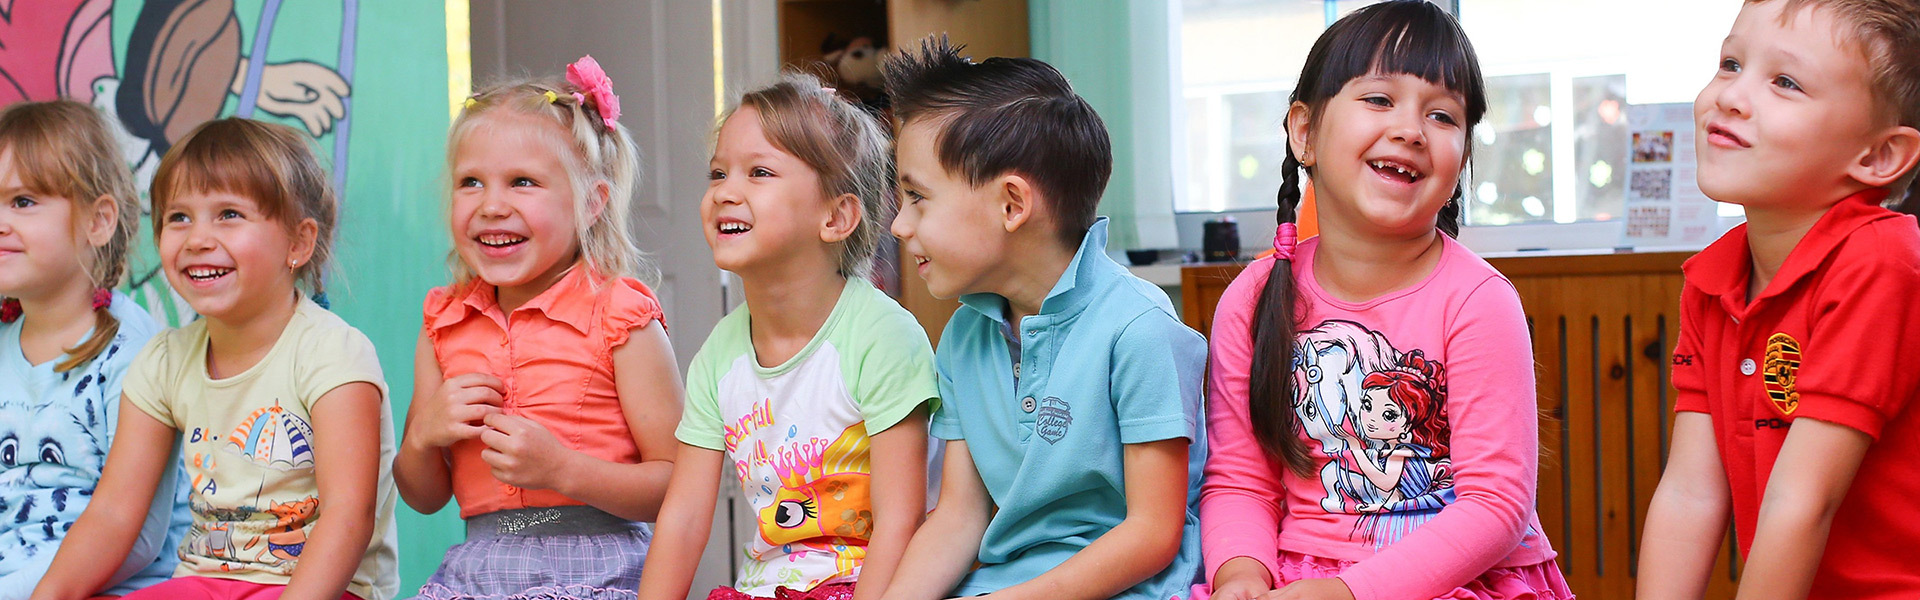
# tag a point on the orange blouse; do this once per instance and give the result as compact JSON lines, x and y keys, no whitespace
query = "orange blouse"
{"x":555,"y":357}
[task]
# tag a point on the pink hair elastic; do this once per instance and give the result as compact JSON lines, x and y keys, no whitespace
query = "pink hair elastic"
{"x":10,"y":309}
{"x":1284,"y":239}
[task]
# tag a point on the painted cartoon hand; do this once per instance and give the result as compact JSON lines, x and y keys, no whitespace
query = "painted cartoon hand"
{"x":1326,"y":588}
{"x":308,"y":91}
{"x":456,"y":410}
{"x":522,"y":452}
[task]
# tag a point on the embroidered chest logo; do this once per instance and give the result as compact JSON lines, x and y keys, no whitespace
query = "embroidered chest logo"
{"x":1052,"y":419}
{"x":1782,"y":365}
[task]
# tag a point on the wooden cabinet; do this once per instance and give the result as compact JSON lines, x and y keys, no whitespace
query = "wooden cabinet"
{"x":987,"y":28}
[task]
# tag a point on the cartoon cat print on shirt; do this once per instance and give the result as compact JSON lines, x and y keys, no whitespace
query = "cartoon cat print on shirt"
{"x":50,"y":458}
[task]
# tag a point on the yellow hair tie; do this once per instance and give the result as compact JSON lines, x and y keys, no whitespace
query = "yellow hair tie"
{"x":472,"y":103}
{"x":552,"y":98}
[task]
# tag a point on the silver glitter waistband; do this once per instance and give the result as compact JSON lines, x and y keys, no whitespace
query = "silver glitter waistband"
{"x":557,"y":520}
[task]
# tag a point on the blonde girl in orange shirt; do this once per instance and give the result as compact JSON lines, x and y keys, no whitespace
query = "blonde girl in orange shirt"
{"x":545,"y":393}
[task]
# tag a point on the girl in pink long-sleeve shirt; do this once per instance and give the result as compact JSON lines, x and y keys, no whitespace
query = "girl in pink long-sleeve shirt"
{"x":1371,"y":408}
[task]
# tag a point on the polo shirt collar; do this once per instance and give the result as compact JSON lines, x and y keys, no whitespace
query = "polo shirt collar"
{"x":564,"y":301}
{"x":1725,"y":267}
{"x":1077,"y":285}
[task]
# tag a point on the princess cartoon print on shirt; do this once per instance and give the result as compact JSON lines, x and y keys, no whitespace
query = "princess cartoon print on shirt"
{"x":1380,"y":415}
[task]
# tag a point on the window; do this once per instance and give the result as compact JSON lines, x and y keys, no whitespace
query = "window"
{"x":1553,"y":146}
{"x":1238,"y":62}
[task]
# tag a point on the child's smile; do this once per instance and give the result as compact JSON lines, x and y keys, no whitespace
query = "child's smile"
{"x":763,"y":205}
{"x":223,"y":254}
{"x":513,"y":210}
{"x":945,"y":223}
{"x":1376,"y":147}
{"x":499,"y":244}
{"x":1786,"y":112}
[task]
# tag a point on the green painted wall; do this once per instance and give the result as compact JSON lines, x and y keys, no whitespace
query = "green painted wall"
{"x":392,"y":243}
{"x":1118,"y":55}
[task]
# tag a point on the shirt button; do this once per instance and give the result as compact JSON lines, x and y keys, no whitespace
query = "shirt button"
{"x":1032,"y":333}
{"x":1026,"y":404}
{"x":1016,"y":369}
{"x":1747,"y":367}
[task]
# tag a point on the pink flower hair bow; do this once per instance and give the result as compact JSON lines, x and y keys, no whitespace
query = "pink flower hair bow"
{"x":1284,"y":239}
{"x":594,"y":85}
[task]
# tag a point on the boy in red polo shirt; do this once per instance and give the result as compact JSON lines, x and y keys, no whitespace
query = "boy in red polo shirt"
{"x":1795,"y":363}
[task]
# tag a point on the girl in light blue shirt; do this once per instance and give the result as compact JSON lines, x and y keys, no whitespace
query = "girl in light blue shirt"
{"x":67,"y":217}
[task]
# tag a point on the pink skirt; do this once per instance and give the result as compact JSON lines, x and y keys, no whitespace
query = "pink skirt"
{"x":830,"y":591}
{"x":1532,"y":582}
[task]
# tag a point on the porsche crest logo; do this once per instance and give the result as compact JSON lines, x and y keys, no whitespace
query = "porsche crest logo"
{"x":1782,"y":364}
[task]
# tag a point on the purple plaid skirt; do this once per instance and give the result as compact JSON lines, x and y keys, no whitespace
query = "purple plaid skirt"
{"x":564,"y":552}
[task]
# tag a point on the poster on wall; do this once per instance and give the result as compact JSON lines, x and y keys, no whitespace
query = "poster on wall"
{"x":159,"y":68}
{"x":1664,"y":204}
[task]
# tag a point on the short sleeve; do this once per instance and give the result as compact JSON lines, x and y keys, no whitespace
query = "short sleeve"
{"x":630,"y":305}
{"x":945,"y":423}
{"x":332,"y":356}
{"x":441,"y":309}
{"x":1864,"y":302}
{"x":145,"y":385}
{"x":1158,"y":368}
{"x":700,"y":420}
{"x":1689,"y":375}
{"x":894,"y":374}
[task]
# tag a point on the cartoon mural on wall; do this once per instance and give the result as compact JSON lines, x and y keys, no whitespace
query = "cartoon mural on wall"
{"x":181,"y":62}
{"x":371,"y":82}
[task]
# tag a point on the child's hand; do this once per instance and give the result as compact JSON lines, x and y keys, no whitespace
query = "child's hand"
{"x":522,"y":452}
{"x":456,"y":409}
{"x":1240,"y":590}
{"x":1327,"y":588}
{"x":1241,"y":578}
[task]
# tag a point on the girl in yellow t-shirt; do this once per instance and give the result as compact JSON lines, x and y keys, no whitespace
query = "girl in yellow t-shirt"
{"x":274,"y":399}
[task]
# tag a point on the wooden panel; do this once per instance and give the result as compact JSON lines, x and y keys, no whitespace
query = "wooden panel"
{"x":1602,"y":329}
{"x":988,"y":28}
{"x":1200,"y":290}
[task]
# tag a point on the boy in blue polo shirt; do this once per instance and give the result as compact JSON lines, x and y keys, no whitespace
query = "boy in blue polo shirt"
{"x":1072,"y":391}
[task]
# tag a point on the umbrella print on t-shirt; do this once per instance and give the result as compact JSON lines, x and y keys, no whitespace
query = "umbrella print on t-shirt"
{"x":274,"y":438}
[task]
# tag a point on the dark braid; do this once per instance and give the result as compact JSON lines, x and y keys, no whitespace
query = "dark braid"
{"x":1270,"y":377}
{"x":1449,"y":219}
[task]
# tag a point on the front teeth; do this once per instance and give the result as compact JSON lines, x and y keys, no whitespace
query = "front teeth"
{"x":1381,"y":164}
{"x":732,"y":227}
{"x":206,"y":273}
{"x":500,"y":239}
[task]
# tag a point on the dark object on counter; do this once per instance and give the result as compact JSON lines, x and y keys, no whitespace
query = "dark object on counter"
{"x":1220,"y":240}
{"x":1143,"y":257}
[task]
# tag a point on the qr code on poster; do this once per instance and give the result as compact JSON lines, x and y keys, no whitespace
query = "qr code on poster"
{"x":1649,"y":221}
{"x":1651,"y":184}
